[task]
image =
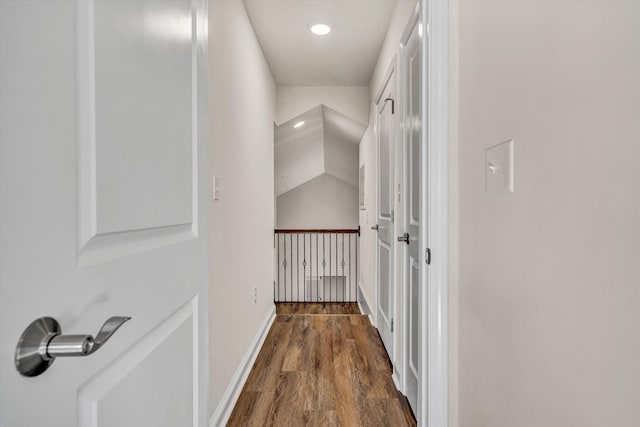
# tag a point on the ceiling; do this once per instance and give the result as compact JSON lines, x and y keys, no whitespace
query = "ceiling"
{"x":323,"y":119}
{"x":327,"y":143}
{"x":344,"y":57}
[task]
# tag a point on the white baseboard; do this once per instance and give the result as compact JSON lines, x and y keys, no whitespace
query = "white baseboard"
{"x":396,"y":380}
{"x":364,"y":305}
{"x":231,"y":394}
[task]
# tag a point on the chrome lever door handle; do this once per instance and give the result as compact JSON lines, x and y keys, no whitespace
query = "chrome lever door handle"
{"x":43,"y":341}
{"x":109,"y":328}
{"x":404,"y":238}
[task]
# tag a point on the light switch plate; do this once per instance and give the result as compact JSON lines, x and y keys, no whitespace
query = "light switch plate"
{"x":499,"y":165}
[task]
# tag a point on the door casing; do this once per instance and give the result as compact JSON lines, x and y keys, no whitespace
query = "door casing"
{"x":433,"y":393}
{"x":433,"y":390}
{"x":410,"y":255}
{"x":386,"y":101}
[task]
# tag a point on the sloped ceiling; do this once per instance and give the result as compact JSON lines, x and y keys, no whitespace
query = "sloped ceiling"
{"x":326,"y":144}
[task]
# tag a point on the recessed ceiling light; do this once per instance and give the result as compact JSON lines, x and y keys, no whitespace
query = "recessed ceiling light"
{"x":320,"y":28}
{"x":299,"y":124}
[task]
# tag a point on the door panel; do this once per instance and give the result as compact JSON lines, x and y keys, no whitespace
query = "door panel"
{"x":142,"y":126}
{"x":385,"y":285}
{"x":414,"y":317}
{"x":103,"y":184}
{"x":120,"y":393}
{"x":412,"y":151}
{"x":136,"y":134}
{"x":386,"y":131}
{"x":385,"y":151}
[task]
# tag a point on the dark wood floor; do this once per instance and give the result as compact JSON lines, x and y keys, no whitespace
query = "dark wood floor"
{"x":317,"y":308}
{"x":327,"y":368}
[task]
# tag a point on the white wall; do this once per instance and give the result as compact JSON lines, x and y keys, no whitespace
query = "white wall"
{"x":323,"y":202}
{"x":341,"y":158}
{"x":368,"y":147}
{"x":453,"y":220}
{"x":242,"y":106}
{"x":549,"y":275}
{"x":352,"y":101}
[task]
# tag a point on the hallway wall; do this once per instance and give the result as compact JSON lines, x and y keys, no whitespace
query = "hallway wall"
{"x":242,"y":107}
{"x":352,"y":101}
{"x":323,"y":202}
{"x":549,"y":275}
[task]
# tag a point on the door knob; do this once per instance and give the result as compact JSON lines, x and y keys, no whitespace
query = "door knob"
{"x":404,"y":238}
{"x":375,"y":227}
{"x":43,"y":341}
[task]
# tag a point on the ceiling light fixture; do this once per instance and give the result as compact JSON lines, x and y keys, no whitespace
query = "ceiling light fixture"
{"x":299,"y":124}
{"x":320,"y":28}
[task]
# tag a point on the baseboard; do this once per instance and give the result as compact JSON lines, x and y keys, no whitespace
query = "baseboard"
{"x":230,"y":397}
{"x":364,"y":305}
{"x":396,"y":380}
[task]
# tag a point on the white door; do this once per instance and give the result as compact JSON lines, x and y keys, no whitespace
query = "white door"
{"x":386,"y":132}
{"x":103,"y":203}
{"x":411,"y":175}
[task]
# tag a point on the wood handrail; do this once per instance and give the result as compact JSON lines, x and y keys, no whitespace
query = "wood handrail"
{"x":317,"y":230}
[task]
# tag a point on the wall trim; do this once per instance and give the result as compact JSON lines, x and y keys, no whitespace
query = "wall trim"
{"x":433,"y":392}
{"x":225,"y":407}
{"x":396,"y":380}
{"x":364,"y":305}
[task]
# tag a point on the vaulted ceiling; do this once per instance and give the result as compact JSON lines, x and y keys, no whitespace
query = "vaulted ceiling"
{"x":344,"y":57}
{"x":327,"y":143}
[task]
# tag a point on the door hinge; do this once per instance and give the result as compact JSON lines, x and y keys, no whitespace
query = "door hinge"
{"x":391,"y":325}
{"x":427,"y":256}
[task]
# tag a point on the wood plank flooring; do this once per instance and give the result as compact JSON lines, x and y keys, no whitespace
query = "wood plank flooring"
{"x":317,"y":308}
{"x":321,"y":365}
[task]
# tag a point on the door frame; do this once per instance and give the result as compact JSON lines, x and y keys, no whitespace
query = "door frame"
{"x":433,"y":390}
{"x":390,"y":78}
{"x":403,"y":250}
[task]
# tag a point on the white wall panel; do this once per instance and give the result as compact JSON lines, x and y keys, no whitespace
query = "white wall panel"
{"x":136,"y":139}
{"x":144,"y":134}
